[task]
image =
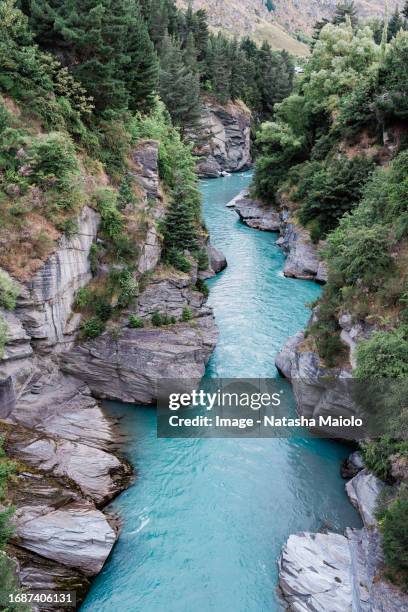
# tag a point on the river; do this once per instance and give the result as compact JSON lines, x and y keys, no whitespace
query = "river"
{"x":206,"y":519}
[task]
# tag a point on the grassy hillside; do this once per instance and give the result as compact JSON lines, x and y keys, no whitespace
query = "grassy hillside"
{"x":280,"y":27}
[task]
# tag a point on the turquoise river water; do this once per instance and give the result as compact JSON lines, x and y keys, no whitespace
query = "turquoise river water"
{"x":205,"y":521}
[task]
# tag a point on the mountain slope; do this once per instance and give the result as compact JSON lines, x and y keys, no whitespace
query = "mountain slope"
{"x":278,"y":27}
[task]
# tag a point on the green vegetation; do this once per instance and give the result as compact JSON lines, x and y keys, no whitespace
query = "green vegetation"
{"x":135,"y":322}
{"x":160,"y":319}
{"x":8,"y":291}
{"x":394,"y":526}
{"x":187,"y":314}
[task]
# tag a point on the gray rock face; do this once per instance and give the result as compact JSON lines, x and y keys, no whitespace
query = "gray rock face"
{"x":303,"y":260}
{"x":98,"y":474}
{"x":217,"y":259}
{"x":363,"y":491}
{"x":169,"y":294}
{"x":223,"y":143}
{"x":16,"y":366}
{"x":145,"y":156}
{"x":58,"y":430}
{"x":7,"y":397}
{"x":44,"y":307}
{"x":255,"y":214}
{"x":314,"y":573}
{"x":77,"y":536}
{"x":319,"y":391}
{"x":127,"y":369}
{"x":353,"y":332}
{"x":36,"y":572}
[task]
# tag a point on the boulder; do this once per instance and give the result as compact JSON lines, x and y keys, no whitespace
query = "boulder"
{"x":302,"y":260}
{"x":352,"y":465}
{"x":217,"y":259}
{"x":98,"y":474}
{"x":169,"y":293}
{"x":77,"y":536}
{"x":363,"y":491}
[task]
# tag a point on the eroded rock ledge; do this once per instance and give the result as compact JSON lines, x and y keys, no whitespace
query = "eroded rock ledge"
{"x":303,"y":260}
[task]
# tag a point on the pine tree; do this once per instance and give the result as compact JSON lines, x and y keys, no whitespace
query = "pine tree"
{"x":395,"y":24}
{"x":142,"y":70}
{"x":237,"y":76}
{"x":179,"y":87}
{"x":218,"y":68}
{"x":317,"y":28}
{"x":346,"y":10}
{"x":104,"y":43}
{"x":179,"y":227}
{"x":405,"y":10}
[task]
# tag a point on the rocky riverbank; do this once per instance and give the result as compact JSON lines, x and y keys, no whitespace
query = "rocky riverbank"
{"x":65,"y":447}
{"x":303,"y":260}
{"x":223,"y":138}
{"x":325,"y":571}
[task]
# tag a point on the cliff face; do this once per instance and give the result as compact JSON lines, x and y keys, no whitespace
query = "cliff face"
{"x":52,"y":424}
{"x":223,"y":141}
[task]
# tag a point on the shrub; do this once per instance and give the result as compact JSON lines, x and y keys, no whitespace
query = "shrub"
{"x":112,"y":223}
{"x":8,"y":291}
{"x":202,"y":287}
{"x":159,"y":319}
{"x":377,"y":455}
{"x":187,"y":314}
{"x":179,"y":261}
{"x":202,"y":260}
{"x":92,"y":328}
{"x":384,"y":355}
{"x":128,"y":288}
{"x":394,"y":526}
{"x":135,"y":322}
{"x":359,"y":253}
{"x":102,"y":308}
{"x":83,"y":298}
{"x":332,"y":190}
{"x":53,"y":162}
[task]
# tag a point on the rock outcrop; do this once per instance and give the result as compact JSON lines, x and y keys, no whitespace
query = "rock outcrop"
{"x":256,"y":214}
{"x":327,"y":571}
{"x":303,"y":260}
{"x":63,"y":443}
{"x":44,"y":306}
{"x":223,"y":142}
{"x":128,"y":368}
